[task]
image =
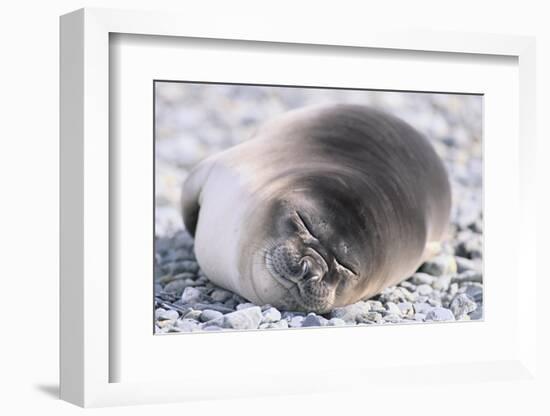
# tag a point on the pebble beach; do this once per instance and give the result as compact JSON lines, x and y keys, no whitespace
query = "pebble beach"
{"x":194,"y":121}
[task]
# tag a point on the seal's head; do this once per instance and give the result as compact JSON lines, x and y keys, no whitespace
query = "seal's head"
{"x":310,"y":255}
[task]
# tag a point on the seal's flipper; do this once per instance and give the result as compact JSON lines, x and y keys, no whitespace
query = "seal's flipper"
{"x":191,"y":194}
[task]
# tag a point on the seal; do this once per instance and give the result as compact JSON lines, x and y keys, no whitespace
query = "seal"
{"x":323,"y":207}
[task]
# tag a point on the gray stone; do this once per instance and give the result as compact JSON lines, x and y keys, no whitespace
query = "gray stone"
{"x":440,"y":265}
{"x":463,"y":264}
{"x":408,"y":295}
{"x":477,"y":314}
{"x":442,"y":283}
{"x":220,"y":295}
{"x":435,"y":302}
{"x":212,"y":328}
{"x":296,"y":321}
{"x":185,"y":266}
{"x":376,"y":306}
{"x":392,"y":308}
{"x":462,"y":305}
{"x":209,"y":315}
{"x":312,"y":320}
{"x":406,"y":309}
{"x":248,"y":318}
{"x":336,"y":322}
{"x":453,"y":289}
{"x":422,"y":279}
{"x":159,"y":312}
{"x":370,"y":318}
{"x":393,"y":318}
{"x":395,"y":294}
{"x":351,"y":312}
{"x":245,"y":306}
{"x":408,"y":285}
{"x":469,"y":276}
{"x":176,"y":287}
{"x":231,"y":304}
{"x":187,"y":325}
{"x":424,"y":290}
{"x":423,"y":308}
{"x":166,"y":315}
{"x":440,"y":314}
{"x":193,"y":314}
{"x":275,"y":325}
{"x":288,"y":315}
{"x":214,"y":306}
{"x":419,"y":317}
{"x":475,"y":292}
{"x":190,"y":295}
{"x":271,"y":315}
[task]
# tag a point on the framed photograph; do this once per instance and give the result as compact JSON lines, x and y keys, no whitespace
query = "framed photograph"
{"x":291,"y":209}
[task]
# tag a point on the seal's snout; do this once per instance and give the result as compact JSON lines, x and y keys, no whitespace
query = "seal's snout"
{"x":284,"y":262}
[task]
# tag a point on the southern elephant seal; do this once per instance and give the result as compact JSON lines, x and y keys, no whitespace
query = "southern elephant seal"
{"x":324,"y":206}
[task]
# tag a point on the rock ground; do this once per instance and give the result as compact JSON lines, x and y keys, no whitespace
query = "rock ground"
{"x":194,"y":121}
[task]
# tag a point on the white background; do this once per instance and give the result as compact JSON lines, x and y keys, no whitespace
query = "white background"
{"x":29,"y":175}
{"x":138,"y":62}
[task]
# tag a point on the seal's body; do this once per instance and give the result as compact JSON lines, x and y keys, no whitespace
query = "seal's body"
{"x":323,"y":207}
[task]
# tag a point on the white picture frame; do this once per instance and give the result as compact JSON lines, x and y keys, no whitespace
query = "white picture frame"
{"x":87,"y":355}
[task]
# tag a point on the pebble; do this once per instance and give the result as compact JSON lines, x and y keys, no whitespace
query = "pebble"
{"x":296,"y":322}
{"x":376,"y":306}
{"x":271,"y":315}
{"x":424,"y":290}
{"x":463,"y":264}
{"x":392,"y":308}
{"x":214,"y":306}
{"x":313,"y":320}
{"x":186,"y":266}
{"x":209,"y":315}
{"x":274,"y":325}
{"x":220,"y":295}
{"x":245,"y":306}
{"x":422,"y":279}
{"x":352,"y":312}
{"x":406,"y":309}
{"x":419,"y":317}
{"x":187,"y":325}
{"x":175,"y":286}
{"x":407,"y":285}
{"x":248,"y":318}
{"x":478,"y":313}
{"x":212,"y":328}
{"x":159,"y":312}
{"x":166,"y":315}
{"x":469,"y":276}
{"x":336,"y":322}
{"x":422,"y":308}
{"x":475,"y":292}
{"x":190,"y":295}
{"x":193,"y":314}
{"x":442,"y":283}
{"x":440,"y":265}
{"x":393,"y":318}
{"x":462,"y":305}
{"x":439,"y":314}
{"x":371,"y":317}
